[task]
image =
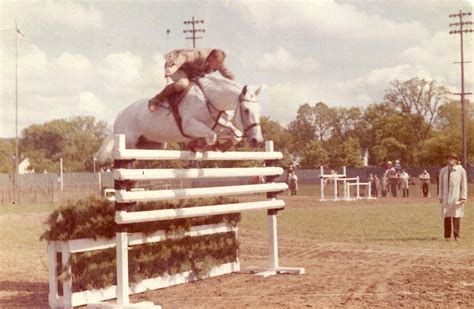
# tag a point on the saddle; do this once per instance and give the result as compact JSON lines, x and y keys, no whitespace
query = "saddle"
{"x":175,"y":99}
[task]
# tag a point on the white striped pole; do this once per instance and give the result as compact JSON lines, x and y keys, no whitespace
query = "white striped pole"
{"x":358,"y":188}
{"x":272,"y":218}
{"x":121,"y":231}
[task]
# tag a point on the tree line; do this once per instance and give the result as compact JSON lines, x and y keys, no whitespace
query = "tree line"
{"x":416,"y":123}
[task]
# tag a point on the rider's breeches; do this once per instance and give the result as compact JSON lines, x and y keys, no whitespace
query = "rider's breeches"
{"x":181,"y":80}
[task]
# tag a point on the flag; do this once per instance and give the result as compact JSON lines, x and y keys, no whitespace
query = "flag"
{"x":19,"y":33}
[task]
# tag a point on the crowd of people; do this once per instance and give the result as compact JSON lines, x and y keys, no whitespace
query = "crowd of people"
{"x":397,"y":183}
{"x":451,"y":189}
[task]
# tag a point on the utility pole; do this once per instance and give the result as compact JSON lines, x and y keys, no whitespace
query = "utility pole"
{"x":461,"y":30}
{"x":193,"y":31}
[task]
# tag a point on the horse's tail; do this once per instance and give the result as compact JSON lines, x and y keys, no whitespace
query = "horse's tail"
{"x":105,"y":151}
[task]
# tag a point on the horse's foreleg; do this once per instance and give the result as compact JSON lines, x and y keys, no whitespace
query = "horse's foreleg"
{"x":199,"y":130}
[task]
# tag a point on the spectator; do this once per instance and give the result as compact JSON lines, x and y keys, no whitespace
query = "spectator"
{"x":424,"y":181}
{"x":373,"y":189}
{"x":376,"y":185}
{"x":452,"y":195}
{"x":393,"y":181}
{"x":385,"y":183}
{"x":404,"y":177}
{"x":292,"y":181}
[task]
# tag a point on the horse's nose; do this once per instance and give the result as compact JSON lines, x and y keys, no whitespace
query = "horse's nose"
{"x":253,"y":142}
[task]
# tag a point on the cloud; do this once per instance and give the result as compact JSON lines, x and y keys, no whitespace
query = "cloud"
{"x":90,"y":104}
{"x":278,"y":60}
{"x":330,"y":18}
{"x":73,"y":14}
{"x":437,"y":54}
{"x":281,"y":60}
{"x":70,"y":84}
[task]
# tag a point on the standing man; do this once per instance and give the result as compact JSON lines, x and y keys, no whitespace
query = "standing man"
{"x":452,"y":195}
{"x":405,"y":178}
{"x":292,"y":181}
{"x":425,"y":181}
{"x":376,"y":185}
{"x":393,"y":178}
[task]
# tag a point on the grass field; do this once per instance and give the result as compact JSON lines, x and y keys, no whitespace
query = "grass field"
{"x":386,"y":221}
{"x":385,"y":252}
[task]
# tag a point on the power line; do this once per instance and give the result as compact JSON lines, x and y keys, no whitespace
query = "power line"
{"x":461,"y":30}
{"x":193,"y":31}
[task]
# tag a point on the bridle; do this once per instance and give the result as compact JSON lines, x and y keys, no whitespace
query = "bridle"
{"x":238,"y":111}
{"x":239,"y":107}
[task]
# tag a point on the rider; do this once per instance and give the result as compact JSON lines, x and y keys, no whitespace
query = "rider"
{"x":183,"y":65}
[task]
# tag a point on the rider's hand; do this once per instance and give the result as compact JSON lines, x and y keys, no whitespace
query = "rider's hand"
{"x":168,"y":71}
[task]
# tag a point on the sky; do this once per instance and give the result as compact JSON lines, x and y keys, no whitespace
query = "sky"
{"x":96,"y":57}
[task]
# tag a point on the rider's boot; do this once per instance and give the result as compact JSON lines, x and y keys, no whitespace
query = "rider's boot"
{"x":155,"y":102}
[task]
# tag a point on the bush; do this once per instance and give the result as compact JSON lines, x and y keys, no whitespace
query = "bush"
{"x":94,"y":218}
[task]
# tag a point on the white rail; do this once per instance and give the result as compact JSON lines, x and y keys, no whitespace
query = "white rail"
{"x":124,"y":217}
{"x":194,"y":173}
{"x":123,"y":196}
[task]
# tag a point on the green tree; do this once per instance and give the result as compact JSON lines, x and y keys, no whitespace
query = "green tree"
{"x":323,"y":120}
{"x":419,"y":98}
{"x":303,"y":128}
{"x":346,"y":152}
{"x":273,"y":131}
{"x":346,"y":121}
{"x":313,"y":155}
{"x":386,"y":135}
{"x":75,"y":140}
{"x":447,"y":137}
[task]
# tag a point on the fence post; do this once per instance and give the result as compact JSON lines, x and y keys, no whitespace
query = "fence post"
{"x":369,"y":194}
{"x":358,"y":188}
{"x":322,"y":188}
{"x":52,"y":273}
{"x":272,"y":213}
{"x":67,"y":283}
{"x":122,"y":230}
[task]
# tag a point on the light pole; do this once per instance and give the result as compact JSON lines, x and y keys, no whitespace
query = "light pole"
{"x":461,"y":31}
{"x":193,"y":31}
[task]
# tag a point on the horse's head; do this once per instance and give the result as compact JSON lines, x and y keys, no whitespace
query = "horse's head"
{"x":249,"y":116}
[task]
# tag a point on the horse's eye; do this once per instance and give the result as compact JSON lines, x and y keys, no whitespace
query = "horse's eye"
{"x":246,"y":111}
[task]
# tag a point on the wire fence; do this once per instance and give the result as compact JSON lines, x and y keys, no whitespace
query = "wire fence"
{"x":49,"y":189}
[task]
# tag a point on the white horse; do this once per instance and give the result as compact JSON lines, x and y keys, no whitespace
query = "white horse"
{"x":215,"y":108}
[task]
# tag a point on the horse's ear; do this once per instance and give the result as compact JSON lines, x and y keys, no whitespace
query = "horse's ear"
{"x":244,"y":90}
{"x":257,"y":91}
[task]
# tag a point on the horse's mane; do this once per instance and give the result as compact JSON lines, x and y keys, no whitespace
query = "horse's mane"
{"x":214,"y":82}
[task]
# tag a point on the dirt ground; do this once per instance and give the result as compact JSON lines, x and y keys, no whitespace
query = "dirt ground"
{"x":337,"y":274}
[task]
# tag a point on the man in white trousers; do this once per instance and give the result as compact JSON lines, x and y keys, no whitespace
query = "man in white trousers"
{"x":452,"y":195}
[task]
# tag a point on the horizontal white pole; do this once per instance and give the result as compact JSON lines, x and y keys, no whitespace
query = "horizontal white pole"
{"x":89,"y":244}
{"x":124,"y":217}
{"x":193,"y":173}
{"x":332,"y":176}
{"x":342,"y":179}
{"x":145,"y":154}
{"x":122,"y":196}
{"x":357,"y":183}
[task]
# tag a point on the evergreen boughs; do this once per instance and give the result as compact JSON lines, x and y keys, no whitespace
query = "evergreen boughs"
{"x":96,"y":269}
{"x":94,"y":218}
